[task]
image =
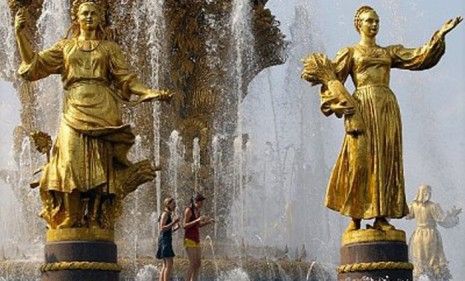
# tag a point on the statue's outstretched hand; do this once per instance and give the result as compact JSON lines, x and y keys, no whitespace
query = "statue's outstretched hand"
{"x":455,"y":212}
{"x":449,"y":25}
{"x":161,"y":95}
{"x":20,"y":21}
{"x":165,"y":95}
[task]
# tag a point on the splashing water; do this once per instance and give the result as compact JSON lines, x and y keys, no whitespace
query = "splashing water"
{"x":177,"y":151}
{"x":243,"y":53}
{"x":52,"y":26}
{"x":196,"y":163}
{"x":237,"y":274}
{"x":7,"y":44}
{"x":147,"y":273}
{"x":156,"y":31}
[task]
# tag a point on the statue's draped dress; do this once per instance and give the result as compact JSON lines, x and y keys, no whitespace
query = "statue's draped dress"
{"x":92,"y":137}
{"x":367,"y":180}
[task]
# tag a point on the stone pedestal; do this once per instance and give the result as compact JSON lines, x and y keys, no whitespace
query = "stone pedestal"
{"x":375,"y":254}
{"x":78,"y":260}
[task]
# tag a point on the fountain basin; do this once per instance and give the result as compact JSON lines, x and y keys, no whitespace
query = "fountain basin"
{"x":224,"y":269}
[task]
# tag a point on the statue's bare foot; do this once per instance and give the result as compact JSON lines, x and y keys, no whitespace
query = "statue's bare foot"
{"x":353,"y":225}
{"x":381,"y":223}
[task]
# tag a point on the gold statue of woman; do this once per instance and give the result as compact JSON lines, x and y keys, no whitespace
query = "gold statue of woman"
{"x":89,"y":156}
{"x":425,"y":247}
{"x":367,"y":180}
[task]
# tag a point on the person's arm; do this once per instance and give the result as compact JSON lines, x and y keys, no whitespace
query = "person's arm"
{"x":187,"y":216}
{"x":163,"y":225}
{"x":176,"y":227}
{"x":206,"y":222}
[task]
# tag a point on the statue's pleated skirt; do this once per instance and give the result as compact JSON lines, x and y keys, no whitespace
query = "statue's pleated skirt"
{"x":367,"y":180}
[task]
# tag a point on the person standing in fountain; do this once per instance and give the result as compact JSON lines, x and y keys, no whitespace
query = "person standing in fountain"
{"x":367,"y":181}
{"x":425,"y":246}
{"x":193,"y":221}
{"x":167,"y":225}
{"x":89,"y":157}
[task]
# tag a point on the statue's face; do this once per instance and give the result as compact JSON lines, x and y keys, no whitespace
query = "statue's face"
{"x":369,"y":24}
{"x":88,"y":16}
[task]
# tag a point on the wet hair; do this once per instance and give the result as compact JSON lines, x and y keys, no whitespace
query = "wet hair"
{"x":359,"y":12}
{"x":196,"y":198}
{"x":167,"y":202}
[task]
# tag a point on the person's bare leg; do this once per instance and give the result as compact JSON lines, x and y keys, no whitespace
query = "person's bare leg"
{"x":161,"y":276}
{"x":197,"y":263}
{"x":190,"y":270}
{"x":168,"y":269}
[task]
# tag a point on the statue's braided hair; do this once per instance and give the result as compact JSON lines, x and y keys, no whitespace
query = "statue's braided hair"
{"x":358,"y":13}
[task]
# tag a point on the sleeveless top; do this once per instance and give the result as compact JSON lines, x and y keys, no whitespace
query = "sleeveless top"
{"x":167,"y":233}
{"x":193,"y":232}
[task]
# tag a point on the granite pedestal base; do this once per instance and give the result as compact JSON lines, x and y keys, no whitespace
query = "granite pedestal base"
{"x":80,"y":260}
{"x":377,"y":255}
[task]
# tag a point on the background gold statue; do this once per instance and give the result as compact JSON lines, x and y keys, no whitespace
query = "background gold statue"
{"x":88,"y":166}
{"x":425,"y":246}
{"x":367,"y":180}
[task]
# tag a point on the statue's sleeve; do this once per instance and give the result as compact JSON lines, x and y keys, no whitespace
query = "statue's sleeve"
{"x":125,"y":79}
{"x":411,"y":213}
{"x":443,"y":219}
{"x":44,"y":63}
{"x":420,"y":58}
{"x":329,"y":100}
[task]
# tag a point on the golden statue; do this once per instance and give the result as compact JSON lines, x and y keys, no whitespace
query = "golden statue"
{"x":88,"y":172}
{"x":425,"y":247}
{"x":367,"y":180}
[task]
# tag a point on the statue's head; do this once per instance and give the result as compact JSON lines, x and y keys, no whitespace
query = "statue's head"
{"x":366,"y":21}
{"x":423,"y":194}
{"x":88,"y":15}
